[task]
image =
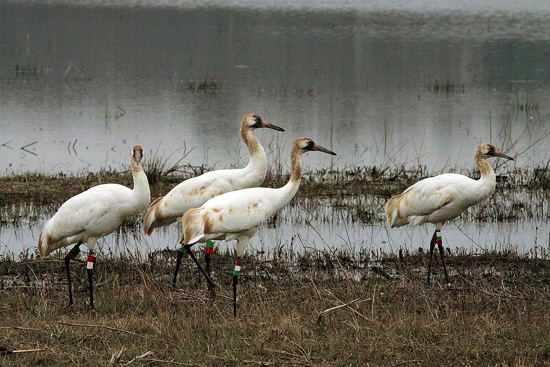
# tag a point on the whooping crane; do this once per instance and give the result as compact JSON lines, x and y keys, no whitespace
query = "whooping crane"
{"x":238,"y":215}
{"x":92,"y":214}
{"x":195,"y":191}
{"x":444,"y":197}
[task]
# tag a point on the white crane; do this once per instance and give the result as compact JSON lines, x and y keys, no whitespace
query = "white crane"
{"x":444,"y":197}
{"x":238,"y":215}
{"x":92,"y":214}
{"x":195,"y":191}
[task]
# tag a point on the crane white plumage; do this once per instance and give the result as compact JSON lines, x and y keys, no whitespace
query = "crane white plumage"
{"x":93,"y":214}
{"x":195,"y":191}
{"x":238,"y":215}
{"x":444,"y":197}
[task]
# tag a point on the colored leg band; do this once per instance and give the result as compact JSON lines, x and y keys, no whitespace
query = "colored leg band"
{"x":439,"y":240}
{"x":181,"y":249}
{"x":237,"y":270}
{"x":74,"y":251}
{"x":91,"y":261}
{"x":209,"y":247}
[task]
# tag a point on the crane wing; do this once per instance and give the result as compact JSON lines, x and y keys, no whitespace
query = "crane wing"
{"x":228,"y":214}
{"x":95,"y":211}
{"x":422,"y":199}
{"x":192,"y":193}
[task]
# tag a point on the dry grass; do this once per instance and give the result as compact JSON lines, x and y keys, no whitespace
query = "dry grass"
{"x":41,"y":189}
{"x":495,"y":314}
{"x":360,"y":192}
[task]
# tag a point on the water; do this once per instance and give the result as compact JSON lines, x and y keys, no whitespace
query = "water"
{"x":80,"y":84}
{"x":356,"y":81}
{"x":330,"y":224}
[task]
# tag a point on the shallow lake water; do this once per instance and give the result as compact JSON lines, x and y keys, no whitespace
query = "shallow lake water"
{"x":390,"y":83}
{"x":295,"y":230}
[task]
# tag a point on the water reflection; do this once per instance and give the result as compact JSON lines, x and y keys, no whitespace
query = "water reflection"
{"x":388,"y":83}
{"x":358,"y":224}
{"x":78,"y":90}
{"x":359,"y":237}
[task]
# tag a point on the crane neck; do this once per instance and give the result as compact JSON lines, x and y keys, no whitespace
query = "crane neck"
{"x":485,"y":169}
{"x":258,"y":158}
{"x":296,"y":166}
{"x":485,"y":186}
{"x":141,"y":184}
{"x":291,"y":188}
{"x":252,"y":143}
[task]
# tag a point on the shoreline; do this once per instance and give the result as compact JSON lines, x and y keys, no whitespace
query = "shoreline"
{"x":44,"y":189}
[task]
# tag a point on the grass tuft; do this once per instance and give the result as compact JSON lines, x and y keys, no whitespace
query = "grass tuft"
{"x":157,"y":166}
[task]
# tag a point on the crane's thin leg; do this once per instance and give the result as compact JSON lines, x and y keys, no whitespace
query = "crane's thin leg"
{"x":432,"y":246}
{"x":441,"y":253}
{"x":188,"y":249}
{"x":90,"y":268}
{"x":236,"y":274}
{"x":178,"y":263}
{"x":208,"y":251}
{"x":70,"y":256}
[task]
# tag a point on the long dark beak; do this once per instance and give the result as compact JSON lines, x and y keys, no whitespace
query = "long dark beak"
{"x":319,"y":148}
{"x":500,"y":154}
{"x":271,"y":126}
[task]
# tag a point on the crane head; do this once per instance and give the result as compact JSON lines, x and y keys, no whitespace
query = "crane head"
{"x":308,"y":145}
{"x":487,"y":150}
{"x":253,"y":121}
{"x":137,"y":153}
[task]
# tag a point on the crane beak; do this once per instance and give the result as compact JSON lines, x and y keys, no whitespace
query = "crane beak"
{"x":137,"y":153}
{"x":271,"y":126}
{"x":319,"y":148}
{"x":500,"y":154}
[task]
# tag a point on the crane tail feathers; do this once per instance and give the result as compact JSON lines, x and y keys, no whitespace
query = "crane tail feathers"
{"x":393,"y":211}
{"x":152,"y":217}
{"x":195,"y":239}
{"x":41,"y":248}
{"x":46,"y":242}
{"x":193,"y":226}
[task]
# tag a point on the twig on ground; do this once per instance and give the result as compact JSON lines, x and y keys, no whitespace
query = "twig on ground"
{"x":116,"y":357}
{"x":410,"y":362}
{"x":139,"y":357}
{"x":335,"y":308}
{"x":5,"y":352}
{"x":171,"y":362}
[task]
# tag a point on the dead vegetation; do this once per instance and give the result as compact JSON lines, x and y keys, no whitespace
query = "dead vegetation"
{"x":314,"y":310}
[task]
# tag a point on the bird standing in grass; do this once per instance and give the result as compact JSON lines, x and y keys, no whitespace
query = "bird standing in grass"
{"x":195,"y":191}
{"x":238,"y":215}
{"x":442,"y":198}
{"x":95,"y":213}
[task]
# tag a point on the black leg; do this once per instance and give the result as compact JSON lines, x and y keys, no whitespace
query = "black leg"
{"x":90,"y":268}
{"x":208,"y":259}
{"x":67,"y":260}
{"x":432,"y":246}
{"x":236,"y":274}
{"x":178,"y":263}
{"x":188,"y":249}
{"x":235,"y":282}
{"x":208,"y":251}
{"x":70,"y":256}
{"x":441,"y":251}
